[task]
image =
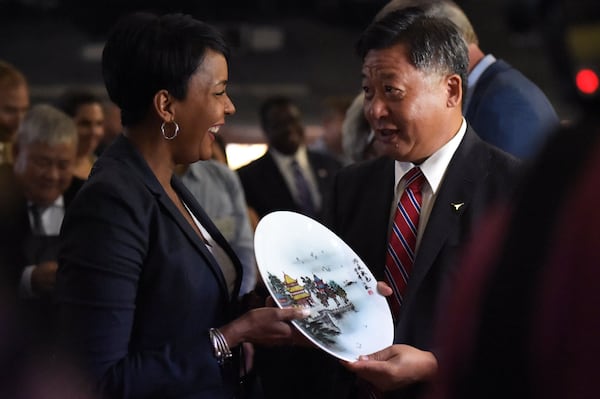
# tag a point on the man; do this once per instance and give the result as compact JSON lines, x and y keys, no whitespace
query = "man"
{"x":14,"y":103}
{"x":414,"y":76}
{"x":514,"y":336}
{"x":289,"y":176}
{"x":33,"y":198}
{"x":505,"y":108}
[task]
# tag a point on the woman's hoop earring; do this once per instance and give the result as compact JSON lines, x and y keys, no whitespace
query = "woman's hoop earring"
{"x":162,"y":129}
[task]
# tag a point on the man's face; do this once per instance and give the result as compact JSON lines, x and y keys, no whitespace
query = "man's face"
{"x":45,"y":171}
{"x":284,"y":129}
{"x":14,"y":103}
{"x":407,"y":108}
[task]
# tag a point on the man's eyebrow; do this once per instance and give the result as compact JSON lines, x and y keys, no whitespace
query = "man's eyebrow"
{"x":385,"y":75}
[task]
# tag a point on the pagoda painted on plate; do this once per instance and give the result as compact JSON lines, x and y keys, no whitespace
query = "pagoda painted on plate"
{"x":328,"y":302}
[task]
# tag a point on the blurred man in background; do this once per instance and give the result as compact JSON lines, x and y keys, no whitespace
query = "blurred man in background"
{"x":34,"y":195}
{"x":14,"y":103}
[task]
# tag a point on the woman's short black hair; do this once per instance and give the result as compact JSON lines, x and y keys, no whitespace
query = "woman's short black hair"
{"x":146,"y":53}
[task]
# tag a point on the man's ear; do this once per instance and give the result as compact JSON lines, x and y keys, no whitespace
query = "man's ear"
{"x":163,"y":105}
{"x":455,"y":94}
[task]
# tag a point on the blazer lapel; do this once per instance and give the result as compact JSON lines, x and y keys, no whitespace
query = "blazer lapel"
{"x":214,"y":232}
{"x":452,"y":202}
{"x":191,"y":234}
{"x":137,"y":163}
{"x":278,"y":185}
{"x":320,"y":170}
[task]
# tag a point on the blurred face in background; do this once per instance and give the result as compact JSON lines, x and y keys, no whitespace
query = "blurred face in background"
{"x":89,"y":120}
{"x":44,"y":171}
{"x":14,"y":103}
{"x":112,"y":122}
{"x":332,"y":130}
{"x":284,"y":128}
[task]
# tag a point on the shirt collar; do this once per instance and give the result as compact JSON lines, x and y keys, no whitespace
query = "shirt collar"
{"x":284,"y":161}
{"x":58,"y":203}
{"x":435,"y":166}
{"x":479,"y":69}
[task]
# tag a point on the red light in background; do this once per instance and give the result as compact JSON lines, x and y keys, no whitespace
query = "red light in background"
{"x":587,"y":81}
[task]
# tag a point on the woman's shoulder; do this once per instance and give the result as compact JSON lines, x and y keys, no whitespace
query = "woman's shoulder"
{"x":113,"y":184}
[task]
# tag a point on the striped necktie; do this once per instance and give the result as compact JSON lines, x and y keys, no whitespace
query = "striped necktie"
{"x":403,"y":239}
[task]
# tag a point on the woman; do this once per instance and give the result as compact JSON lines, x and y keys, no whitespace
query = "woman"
{"x":88,"y":114}
{"x":146,"y":281}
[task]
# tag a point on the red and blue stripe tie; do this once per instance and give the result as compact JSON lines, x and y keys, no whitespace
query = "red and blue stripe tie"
{"x":403,"y":239}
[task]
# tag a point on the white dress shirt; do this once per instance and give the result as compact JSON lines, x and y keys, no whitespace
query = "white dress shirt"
{"x":51,"y":221}
{"x":284,"y":163}
{"x":224,"y":261}
{"x":434,"y":169}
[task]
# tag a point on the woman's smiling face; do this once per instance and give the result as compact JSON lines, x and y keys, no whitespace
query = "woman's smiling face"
{"x":202,"y":112}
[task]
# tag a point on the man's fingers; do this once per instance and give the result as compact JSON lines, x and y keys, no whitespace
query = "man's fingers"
{"x":384,"y":289}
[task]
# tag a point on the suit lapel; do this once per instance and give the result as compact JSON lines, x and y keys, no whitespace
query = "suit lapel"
{"x":381,"y":197}
{"x":277,"y":183}
{"x":214,"y":232}
{"x":462,"y":176}
{"x":138,"y":164}
{"x":191,"y":234}
{"x":320,"y":171}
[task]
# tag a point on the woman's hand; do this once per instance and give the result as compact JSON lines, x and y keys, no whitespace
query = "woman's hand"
{"x":263,"y":326}
{"x":395,"y":367}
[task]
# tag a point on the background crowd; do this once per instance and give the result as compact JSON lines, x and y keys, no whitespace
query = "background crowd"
{"x":127,"y":266}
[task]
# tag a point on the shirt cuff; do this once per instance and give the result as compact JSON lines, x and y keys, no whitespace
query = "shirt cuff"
{"x":25,"y":290}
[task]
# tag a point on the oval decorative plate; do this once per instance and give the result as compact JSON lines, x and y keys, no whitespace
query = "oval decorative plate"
{"x":304,"y":264}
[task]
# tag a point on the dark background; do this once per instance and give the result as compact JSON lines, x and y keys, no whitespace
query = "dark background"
{"x":57,"y":43}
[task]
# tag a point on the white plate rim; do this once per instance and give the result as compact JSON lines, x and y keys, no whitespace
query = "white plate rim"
{"x":260,"y":241}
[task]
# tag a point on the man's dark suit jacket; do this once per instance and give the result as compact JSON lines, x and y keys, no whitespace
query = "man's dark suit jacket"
{"x":15,"y":228}
{"x":265,"y":187}
{"x":477,"y":176}
{"x":137,"y":287}
{"x":509,"y":111}
{"x":19,"y":248}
